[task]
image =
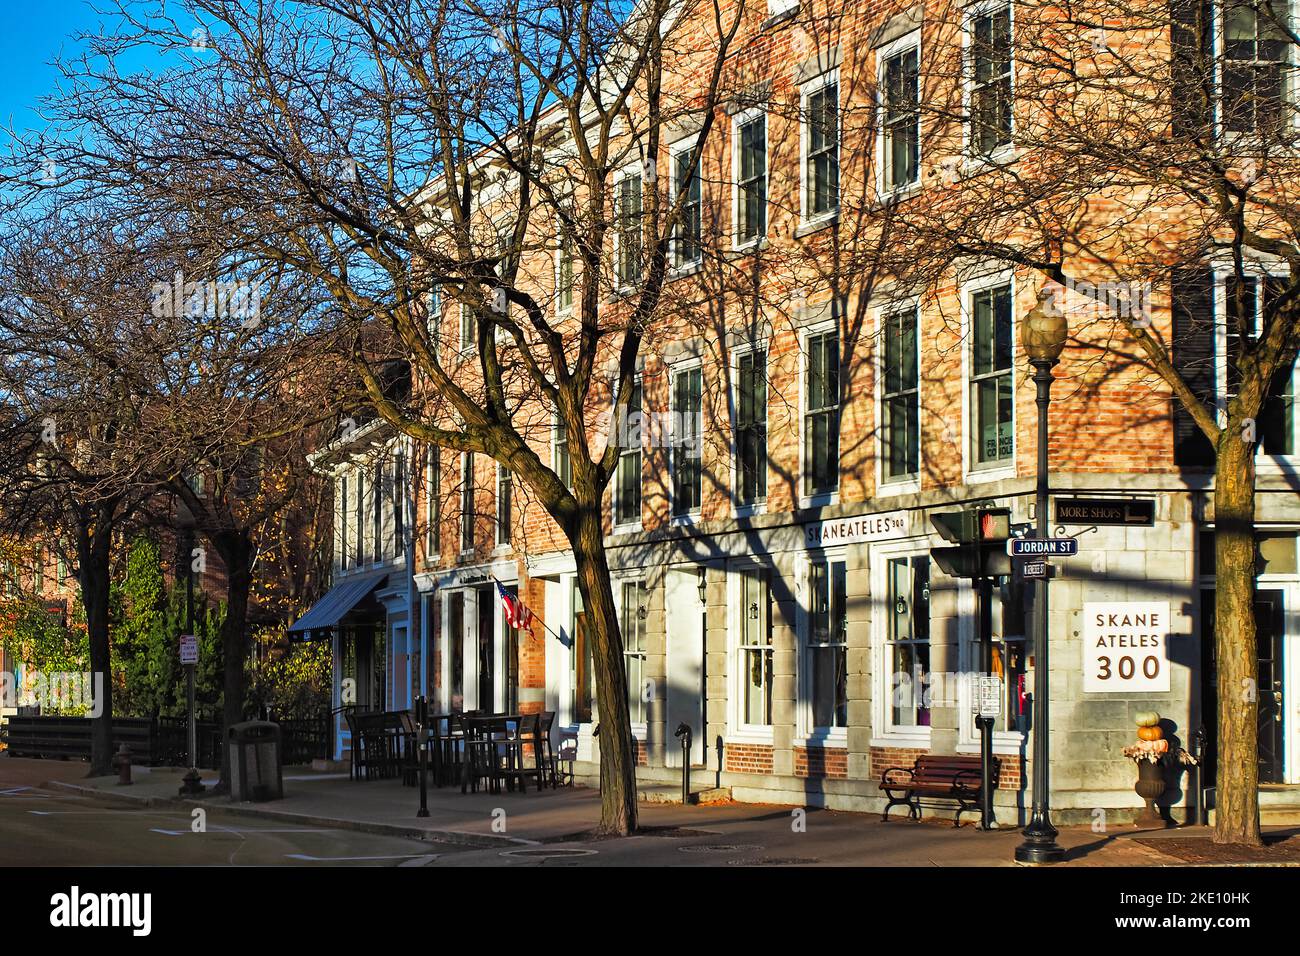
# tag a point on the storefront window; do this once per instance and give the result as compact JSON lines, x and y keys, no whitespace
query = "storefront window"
{"x":581,"y":677}
{"x":755,"y":649}
{"x":908,"y":637}
{"x":636,"y":599}
{"x":1009,"y":652}
{"x":827,"y":645}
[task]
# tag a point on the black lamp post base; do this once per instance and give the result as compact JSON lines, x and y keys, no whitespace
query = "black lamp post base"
{"x":1031,"y":852}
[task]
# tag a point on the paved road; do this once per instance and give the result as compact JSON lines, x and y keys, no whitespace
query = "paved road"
{"x":40,"y":827}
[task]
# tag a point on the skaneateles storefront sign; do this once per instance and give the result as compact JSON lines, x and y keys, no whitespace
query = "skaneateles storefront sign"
{"x":1125,"y":646}
{"x":825,"y":534}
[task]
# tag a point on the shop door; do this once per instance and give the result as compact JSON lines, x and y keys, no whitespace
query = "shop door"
{"x":685,"y":704}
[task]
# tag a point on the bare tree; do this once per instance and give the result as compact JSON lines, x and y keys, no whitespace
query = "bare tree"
{"x":371,"y":151}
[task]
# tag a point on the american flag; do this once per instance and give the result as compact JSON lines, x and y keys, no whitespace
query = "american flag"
{"x":516,"y":615}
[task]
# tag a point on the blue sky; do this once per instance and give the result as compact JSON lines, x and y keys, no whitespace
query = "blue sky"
{"x":34,"y":33}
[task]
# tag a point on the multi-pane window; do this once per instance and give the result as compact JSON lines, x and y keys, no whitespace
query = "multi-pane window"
{"x":751,"y":179}
{"x":432,"y":503}
{"x":992,"y":405}
{"x":560,"y":459}
{"x":627,"y":490}
{"x":1245,"y":302}
{"x":505,"y":503}
{"x":467,"y":501}
{"x":1008,"y":653}
{"x":990,"y":70}
{"x":564,"y":275}
{"x":1254,"y":65}
{"x":377,"y":510}
{"x":751,"y":427}
{"x":828,"y":644}
{"x":362,"y":550}
{"x":686,"y":188}
{"x":822,"y":175}
{"x":900,"y":405}
{"x":687,"y":450}
{"x":345,"y":546}
{"x":628,"y":210}
{"x":822,"y":415}
{"x":468,"y":330}
{"x":435,"y":313}
{"x":636,"y":601}
{"x":907,"y":616}
{"x":582,"y":679}
{"x":398,"y":498}
{"x":901,"y":118}
{"x":755,"y":649}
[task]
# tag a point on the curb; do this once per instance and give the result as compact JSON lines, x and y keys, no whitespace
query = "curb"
{"x":482,"y":841}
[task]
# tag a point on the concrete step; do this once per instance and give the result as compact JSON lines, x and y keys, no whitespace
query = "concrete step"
{"x":653,"y":794}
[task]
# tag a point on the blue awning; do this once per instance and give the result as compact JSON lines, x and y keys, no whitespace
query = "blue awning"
{"x":338,"y":601}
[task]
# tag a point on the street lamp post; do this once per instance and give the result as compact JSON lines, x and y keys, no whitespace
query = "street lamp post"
{"x":1042,"y":335}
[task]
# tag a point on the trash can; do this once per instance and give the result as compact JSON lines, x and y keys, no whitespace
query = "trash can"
{"x":254,"y":755}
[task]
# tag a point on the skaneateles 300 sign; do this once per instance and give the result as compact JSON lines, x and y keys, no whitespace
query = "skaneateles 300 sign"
{"x":1125,"y":647}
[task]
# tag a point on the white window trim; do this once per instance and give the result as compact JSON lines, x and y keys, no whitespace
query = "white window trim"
{"x":677,"y":368}
{"x":630,"y":527}
{"x":465,"y":350}
{"x":557,"y":429}
{"x":777,"y":7}
{"x":825,"y":498}
{"x":631,"y":169}
{"x":744,"y":118}
{"x":1290,"y":83}
{"x":806,"y":733}
{"x":1258,"y":267}
{"x":971,"y":159}
{"x":883,"y":54}
{"x":561,"y":310}
{"x":882,"y":733}
{"x":737,"y":731}
{"x":890,"y":487}
{"x":970,"y":474}
{"x":806,"y":90}
{"x":677,"y":267}
{"x":640,"y":730}
{"x":739,"y":510}
{"x":503,"y":547}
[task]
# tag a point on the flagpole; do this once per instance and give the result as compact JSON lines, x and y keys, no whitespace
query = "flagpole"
{"x":536,"y":617}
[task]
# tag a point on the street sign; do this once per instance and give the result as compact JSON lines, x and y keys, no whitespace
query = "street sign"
{"x":189,"y":649}
{"x":1042,"y":547}
{"x":1110,"y":511}
{"x":988,"y":695}
{"x":1035,"y":569}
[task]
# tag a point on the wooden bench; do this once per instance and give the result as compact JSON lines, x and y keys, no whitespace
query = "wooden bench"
{"x":934,"y":775}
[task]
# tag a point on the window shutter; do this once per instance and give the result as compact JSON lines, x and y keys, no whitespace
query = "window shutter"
{"x":1192,"y":303}
{"x":1192,"y":92}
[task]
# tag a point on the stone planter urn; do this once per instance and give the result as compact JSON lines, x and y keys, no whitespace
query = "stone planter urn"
{"x":1150,"y":786}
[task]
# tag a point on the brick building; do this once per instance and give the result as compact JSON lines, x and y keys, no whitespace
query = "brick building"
{"x":777,"y":590}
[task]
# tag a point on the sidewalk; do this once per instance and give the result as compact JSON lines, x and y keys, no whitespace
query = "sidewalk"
{"x":511,"y":828}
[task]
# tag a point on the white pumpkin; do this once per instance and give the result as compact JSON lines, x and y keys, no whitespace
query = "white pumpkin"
{"x":1147,"y":718}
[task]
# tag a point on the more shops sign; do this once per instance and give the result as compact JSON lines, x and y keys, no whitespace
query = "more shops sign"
{"x":1125,"y":647}
{"x":882,"y":527}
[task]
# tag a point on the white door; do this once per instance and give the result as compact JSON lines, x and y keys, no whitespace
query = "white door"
{"x":685,"y":665}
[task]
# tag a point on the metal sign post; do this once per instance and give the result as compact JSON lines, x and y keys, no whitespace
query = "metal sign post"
{"x":190,"y":783}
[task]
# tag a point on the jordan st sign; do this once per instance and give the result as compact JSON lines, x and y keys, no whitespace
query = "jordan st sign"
{"x":1042,"y":547}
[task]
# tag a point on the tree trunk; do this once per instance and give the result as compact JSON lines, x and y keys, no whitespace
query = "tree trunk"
{"x":94,"y":549}
{"x":236,"y":550}
{"x":618,"y":797}
{"x":1237,"y":783}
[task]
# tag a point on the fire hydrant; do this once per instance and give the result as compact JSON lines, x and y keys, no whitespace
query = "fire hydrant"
{"x":122,"y":761}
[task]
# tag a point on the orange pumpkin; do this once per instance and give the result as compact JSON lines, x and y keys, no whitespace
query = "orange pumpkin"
{"x":1150,"y":733}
